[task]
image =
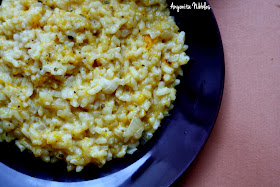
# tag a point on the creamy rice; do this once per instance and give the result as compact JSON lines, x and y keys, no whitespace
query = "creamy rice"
{"x":84,"y":80}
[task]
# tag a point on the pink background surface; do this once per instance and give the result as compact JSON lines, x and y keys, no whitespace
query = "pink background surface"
{"x":244,"y":147}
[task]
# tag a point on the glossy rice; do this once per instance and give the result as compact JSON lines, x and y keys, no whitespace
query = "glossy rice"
{"x":84,"y":80}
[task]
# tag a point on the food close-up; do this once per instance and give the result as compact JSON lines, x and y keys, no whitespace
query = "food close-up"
{"x":85,"y":81}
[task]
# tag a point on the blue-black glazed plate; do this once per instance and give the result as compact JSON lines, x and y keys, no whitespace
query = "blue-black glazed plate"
{"x":174,"y":146}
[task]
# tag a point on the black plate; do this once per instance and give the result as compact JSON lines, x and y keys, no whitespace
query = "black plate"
{"x":174,"y":146}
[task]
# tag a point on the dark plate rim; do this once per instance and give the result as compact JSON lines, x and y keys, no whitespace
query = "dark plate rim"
{"x":222,"y":83}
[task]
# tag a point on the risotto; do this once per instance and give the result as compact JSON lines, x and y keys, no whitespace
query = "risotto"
{"x":84,"y":80}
